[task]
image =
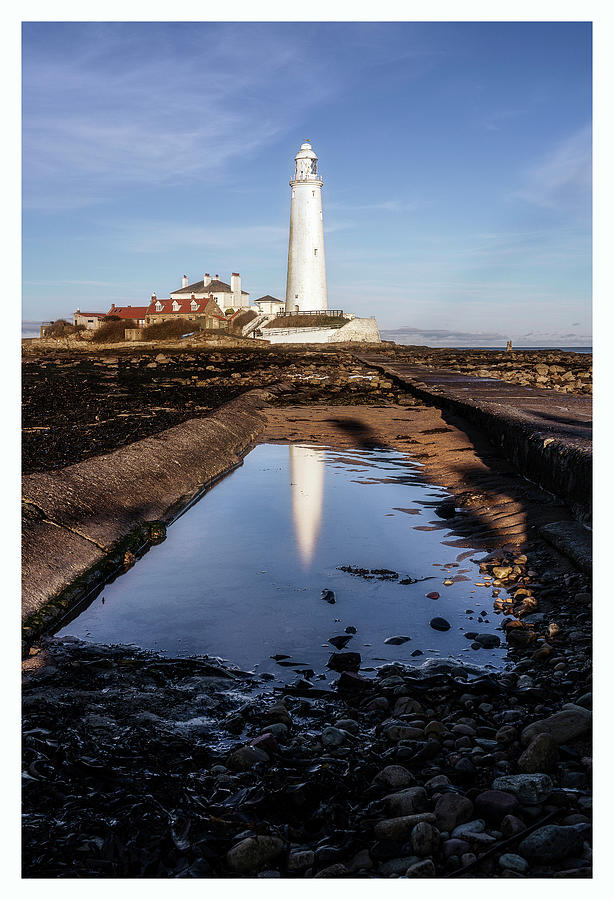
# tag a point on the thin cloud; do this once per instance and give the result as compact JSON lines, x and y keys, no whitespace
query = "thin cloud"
{"x":563,"y":177}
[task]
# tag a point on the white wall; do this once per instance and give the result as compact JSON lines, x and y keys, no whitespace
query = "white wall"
{"x":359,"y":330}
{"x":306,"y":283}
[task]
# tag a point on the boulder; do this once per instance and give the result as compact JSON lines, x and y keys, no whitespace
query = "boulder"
{"x":563,"y":726}
{"x":529,"y":789}
{"x":251,"y":852}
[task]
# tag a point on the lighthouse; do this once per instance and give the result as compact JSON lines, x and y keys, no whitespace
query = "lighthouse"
{"x":306,"y":283}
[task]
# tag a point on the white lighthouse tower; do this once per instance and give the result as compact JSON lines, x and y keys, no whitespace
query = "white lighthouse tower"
{"x":306,"y":284}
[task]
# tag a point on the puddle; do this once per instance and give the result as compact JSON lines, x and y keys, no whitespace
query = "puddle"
{"x":241,"y":573}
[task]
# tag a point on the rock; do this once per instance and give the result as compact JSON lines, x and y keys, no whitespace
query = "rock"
{"x":396,"y":866}
{"x":329,"y":596}
{"x":465,"y":770}
{"x":423,"y":869}
{"x":495,"y":805}
{"x":424,"y":839}
{"x":452,"y":810}
{"x":251,"y":852}
{"x":396,"y":733}
{"x":440,"y":624}
{"x":279,"y":731}
{"x":540,"y":756}
{"x":351,"y":684}
{"x":476,"y":826}
{"x":394,"y":777}
{"x":246,"y":757}
{"x":435,"y":729}
{"x":455,"y":847}
{"x":401,"y":827}
{"x":337,"y":870}
{"x":433,"y":595}
{"x":265,"y":742}
{"x":350,"y":725}
{"x":530,"y":789}
{"x":350,"y":629}
{"x":502,"y":571}
{"x":344,"y":662}
{"x":565,"y":725}
{"x":514,"y":862}
{"x":511,"y":825}
{"x":507,"y":734}
{"x":437,"y":783}
{"x":406,"y":705}
{"x":334,"y":737}
{"x":405,"y":803}
{"x":554,"y":842}
{"x":340,"y":640}
{"x":299,"y":860}
{"x":397,"y":639}
{"x":277,"y":713}
{"x":488,"y":641}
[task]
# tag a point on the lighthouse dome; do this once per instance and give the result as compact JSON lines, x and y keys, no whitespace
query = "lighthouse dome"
{"x":306,"y":152}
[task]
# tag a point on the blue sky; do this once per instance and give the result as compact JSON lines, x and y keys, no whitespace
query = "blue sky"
{"x":456,"y":161}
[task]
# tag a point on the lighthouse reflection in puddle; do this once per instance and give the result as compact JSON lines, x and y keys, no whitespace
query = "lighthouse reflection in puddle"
{"x":307,"y":482}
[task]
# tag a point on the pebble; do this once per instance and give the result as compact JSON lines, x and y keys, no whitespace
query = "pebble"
{"x":495,"y":805}
{"x":396,"y":866}
{"x":334,"y":737}
{"x":401,"y":827}
{"x":394,"y":777}
{"x":347,"y":661}
{"x":397,"y":639}
{"x":451,"y":810}
{"x":514,"y":862}
{"x":540,"y":756}
{"x":563,"y":726}
{"x":246,"y":757}
{"x":424,"y":839}
{"x":530,"y":789}
{"x":423,"y":869}
{"x":405,"y":803}
{"x":251,"y":852}
{"x":554,"y":842}
{"x":440,"y":624}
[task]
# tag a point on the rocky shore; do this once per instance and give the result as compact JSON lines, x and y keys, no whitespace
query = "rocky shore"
{"x":136,"y":765}
{"x":79,"y":405}
{"x":557,"y":370}
{"x":141,"y":766}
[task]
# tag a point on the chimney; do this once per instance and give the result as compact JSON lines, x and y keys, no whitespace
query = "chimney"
{"x":206,"y":279}
{"x":235,"y":287}
{"x":184,"y":281}
{"x":112,"y":306}
{"x":153,"y":296}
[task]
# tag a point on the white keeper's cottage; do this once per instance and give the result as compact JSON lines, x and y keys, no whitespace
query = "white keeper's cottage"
{"x":227,"y":296}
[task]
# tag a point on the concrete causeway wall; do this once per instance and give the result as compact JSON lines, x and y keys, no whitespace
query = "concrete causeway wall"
{"x":78,"y":522}
{"x":548,"y":443}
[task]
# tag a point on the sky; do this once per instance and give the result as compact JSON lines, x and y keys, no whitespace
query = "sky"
{"x":456,"y":159}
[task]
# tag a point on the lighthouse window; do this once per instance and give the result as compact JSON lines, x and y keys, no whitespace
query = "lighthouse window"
{"x":314,"y":166}
{"x":315,"y":252}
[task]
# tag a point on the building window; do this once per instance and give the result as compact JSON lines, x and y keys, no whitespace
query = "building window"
{"x":158,"y":306}
{"x":315,"y":252}
{"x":296,"y":296}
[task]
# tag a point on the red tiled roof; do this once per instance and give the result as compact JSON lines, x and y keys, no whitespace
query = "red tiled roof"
{"x":128,"y":312}
{"x":97,"y":315}
{"x":185,"y":307}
